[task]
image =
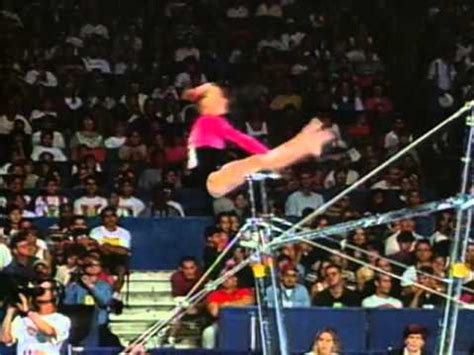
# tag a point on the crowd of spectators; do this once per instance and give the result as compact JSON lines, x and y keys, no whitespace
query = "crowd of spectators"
{"x":92,"y":125}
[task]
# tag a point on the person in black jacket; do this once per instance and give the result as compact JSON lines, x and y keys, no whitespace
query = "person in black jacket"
{"x":414,"y":339}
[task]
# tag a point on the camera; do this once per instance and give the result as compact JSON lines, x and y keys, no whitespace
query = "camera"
{"x":12,"y":288}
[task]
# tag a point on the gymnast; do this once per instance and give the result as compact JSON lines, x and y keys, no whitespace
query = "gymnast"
{"x":211,"y":130}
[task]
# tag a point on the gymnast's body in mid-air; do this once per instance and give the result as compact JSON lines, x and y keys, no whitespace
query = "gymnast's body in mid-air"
{"x":211,"y":131}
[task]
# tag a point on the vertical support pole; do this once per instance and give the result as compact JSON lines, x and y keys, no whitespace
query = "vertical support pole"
{"x":458,"y":248}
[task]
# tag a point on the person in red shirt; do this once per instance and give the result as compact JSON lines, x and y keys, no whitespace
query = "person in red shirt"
{"x":229,"y":295}
{"x":184,"y":279}
{"x":182,"y":283}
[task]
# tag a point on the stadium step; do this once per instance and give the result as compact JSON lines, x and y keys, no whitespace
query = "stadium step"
{"x":148,"y":301}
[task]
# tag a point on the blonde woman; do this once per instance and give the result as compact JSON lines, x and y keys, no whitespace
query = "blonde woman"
{"x":326,"y":342}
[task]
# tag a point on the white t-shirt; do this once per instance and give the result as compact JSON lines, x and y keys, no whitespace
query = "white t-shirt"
{"x":297,"y":202}
{"x":6,"y":126}
{"x":30,"y":341}
{"x":131,"y":206}
{"x":375,"y":301}
{"x":89,"y":206}
{"x":57,"y":153}
{"x":119,"y":237}
{"x":5,"y":256}
{"x":49,"y":79}
{"x":58,"y":139}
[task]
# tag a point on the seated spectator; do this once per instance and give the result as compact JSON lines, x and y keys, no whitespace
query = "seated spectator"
{"x":128,"y":204}
{"x":134,"y":149}
{"x":303,"y":198}
{"x":115,"y":245}
{"x":39,"y":246}
{"x":241,"y":205}
{"x":326,"y":342}
{"x":336,"y":294}
{"x":21,"y":268}
{"x":392,"y":139}
{"x":367,"y":273}
{"x":391,"y":180}
{"x":423,"y":257}
{"x":292,"y":293}
{"x":414,"y":339}
{"x":11,"y":226}
{"x":422,"y":298}
{"x":186,"y":50}
{"x":378,"y":105}
{"x":190,"y":76}
{"x":187,"y":275}
{"x":216,"y":242}
{"x":237,"y":9}
{"x":344,"y":175}
{"x":287,"y":97}
{"x":15,"y":186}
{"x":5,"y":254}
{"x":346,"y":102}
{"x":36,"y":326}
{"x":94,"y":28}
{"x":48,"y":127}
{"x":91,"y":204}
{"x":406,"y":225}
{"x":40,"y":76}
{"x":88,"y":290}
{"x":444,"y":227}
{"x":406,"y":243}
{"x":163,"y":206}
{"x":70,"y":267}
{"x":87,"y":141}
{"x":46,"y":146}
{"x":381,"y":298}
{"x":49,"y":202}
{"x":9,"y":120}
{"x":229,"y":295}
{"x":269,"y":8}
{"x":118,"y":137}
{"x":18,"y":201}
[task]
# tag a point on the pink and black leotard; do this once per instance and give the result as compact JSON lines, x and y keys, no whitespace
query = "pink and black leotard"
{"x":207,"y":142}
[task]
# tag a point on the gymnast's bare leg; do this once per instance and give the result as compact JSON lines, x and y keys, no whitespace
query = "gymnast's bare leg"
{"x":309,"y":142}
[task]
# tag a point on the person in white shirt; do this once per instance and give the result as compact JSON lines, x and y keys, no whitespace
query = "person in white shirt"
{"x":269,"y":8}
{"x":237,"y":10}
{"x":128,"y":204}
{"x":110,"y":232}
{"x":391,"y":181}
{"x":188,"y":49}
{"x":41,"y":77}
{"x":5,"y":254}
{"x":8,"y":121}
{"x":115,"y":243}
{"x":36,"y":327}
{"x":381,"y":298}
{"x":303,"y":198}
{"x":46,"y":146}
{"x":91,"y":204}
{"x":443,"y":72}
{"x":94,"y":28}
{"x":406,"y":225}
{"x":392,"y":138}
{"x":58,"y":138}
{"x":49,"y":203}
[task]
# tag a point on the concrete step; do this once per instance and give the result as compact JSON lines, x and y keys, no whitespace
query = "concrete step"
{"x":142,"y":314}
{"x":148,"y":286}
{"x":151,"y":275}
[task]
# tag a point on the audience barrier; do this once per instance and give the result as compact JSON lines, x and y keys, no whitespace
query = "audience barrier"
{"x":360,"y":330}
{"x":158,"y":243}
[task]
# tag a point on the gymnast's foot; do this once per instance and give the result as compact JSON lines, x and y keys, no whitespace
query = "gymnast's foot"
{"x":313,"y":138}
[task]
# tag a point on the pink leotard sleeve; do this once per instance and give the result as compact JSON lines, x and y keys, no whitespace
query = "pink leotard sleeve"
{"x":214,"y":131}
